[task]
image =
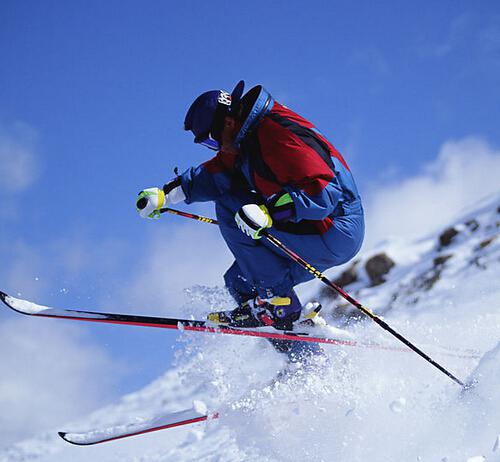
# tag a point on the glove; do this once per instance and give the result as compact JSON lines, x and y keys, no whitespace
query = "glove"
{"x":151,"y":200}
{"x":252,"y":219}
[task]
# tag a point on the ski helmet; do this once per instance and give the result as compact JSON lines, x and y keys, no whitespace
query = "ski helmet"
{"x":205,"y":117}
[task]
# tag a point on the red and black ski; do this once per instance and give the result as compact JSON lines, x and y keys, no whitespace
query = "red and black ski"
{"x":117,"y":432}
{"x":32,"y":309}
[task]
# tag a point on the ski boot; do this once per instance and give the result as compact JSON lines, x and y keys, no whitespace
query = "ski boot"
{"x":278,"y":312}
{"x":282,"y":313}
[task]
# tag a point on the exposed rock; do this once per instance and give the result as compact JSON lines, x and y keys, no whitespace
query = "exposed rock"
{"x":498,"y":209}
{"x":424,"y":281}
{"x":349,"y":276}
{"x":487,"y":242}
{"x":442,"y":259}
{"x":429,"y":279}
{"x":473,"y":225}
{"x":447,"y":237}
{"x":377,"y":267}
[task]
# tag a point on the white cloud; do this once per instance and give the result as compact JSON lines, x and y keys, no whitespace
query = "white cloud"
{"x":49,"y":375}
{"x":24,"y":270}
{"x":62,"y":264}
{"x":176,"y":260}
{"x":463,"y":172}
{"x":18,"y":162}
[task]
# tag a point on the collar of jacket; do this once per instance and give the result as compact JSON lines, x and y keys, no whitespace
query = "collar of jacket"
{"x":262,"y":105}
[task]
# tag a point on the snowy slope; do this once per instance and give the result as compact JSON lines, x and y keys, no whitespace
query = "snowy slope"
{"x":368,"y":404}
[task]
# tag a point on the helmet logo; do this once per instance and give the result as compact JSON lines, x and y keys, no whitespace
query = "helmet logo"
{"x":224,"y":98}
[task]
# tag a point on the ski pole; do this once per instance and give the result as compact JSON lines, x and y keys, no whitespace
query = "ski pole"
{"x":189,"y":215}
{"x":319,"y":275}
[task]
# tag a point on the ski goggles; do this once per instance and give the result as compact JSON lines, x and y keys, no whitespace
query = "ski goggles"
{"x":210,"y":139}
{"x":210,"y":143}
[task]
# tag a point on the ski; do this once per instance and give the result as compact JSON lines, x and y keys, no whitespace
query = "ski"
{"x":32,"y":309}
{"x":196,"y":414}
{"x":175,"y":419}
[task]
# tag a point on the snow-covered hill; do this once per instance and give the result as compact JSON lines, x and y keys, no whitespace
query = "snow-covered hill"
{"x":442,"y":292}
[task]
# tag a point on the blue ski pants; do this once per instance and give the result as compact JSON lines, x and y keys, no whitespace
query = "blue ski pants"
{"x":262,"y":269}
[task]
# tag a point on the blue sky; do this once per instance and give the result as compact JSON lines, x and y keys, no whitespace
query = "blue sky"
{"x":92,"y":100}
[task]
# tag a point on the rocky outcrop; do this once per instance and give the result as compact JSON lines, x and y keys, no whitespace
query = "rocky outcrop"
{"x":377,"y":267}
{"x":472,"y":225}
{"x":441,"y":260}
{"x":349,"y":276}
{"x":424,"y":281}
{"x":487,"y":242}
{"x":447,"y":236}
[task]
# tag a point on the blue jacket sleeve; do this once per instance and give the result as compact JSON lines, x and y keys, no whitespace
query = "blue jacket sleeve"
{"x":210,"y":180}
{"x":199,"y":185}
{"x":317,"y":207}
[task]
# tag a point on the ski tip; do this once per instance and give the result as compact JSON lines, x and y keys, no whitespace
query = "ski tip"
{"x":65,"y":438}
{"x":3,"y":296}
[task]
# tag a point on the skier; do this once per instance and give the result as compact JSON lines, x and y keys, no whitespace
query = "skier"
{"x":273,"y":170}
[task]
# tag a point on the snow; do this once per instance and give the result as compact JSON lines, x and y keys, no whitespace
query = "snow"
{"x":497,"y":444}
{"x":365,"y":404}
{"x":398,"y":405}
